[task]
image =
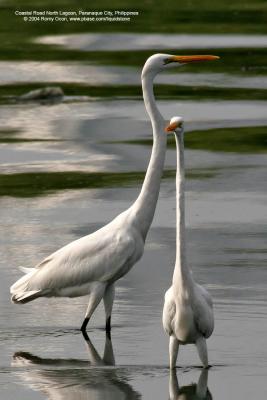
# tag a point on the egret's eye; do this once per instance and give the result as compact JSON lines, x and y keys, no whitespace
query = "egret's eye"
{"x":167,"y":61}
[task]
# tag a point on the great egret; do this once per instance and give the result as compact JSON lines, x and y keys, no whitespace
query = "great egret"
{"x":92,"y":264}
{"x":187,"y":312}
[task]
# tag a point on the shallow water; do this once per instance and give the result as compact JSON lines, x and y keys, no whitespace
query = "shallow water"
{"x":226,"y":248}
{"x":43,"y":354}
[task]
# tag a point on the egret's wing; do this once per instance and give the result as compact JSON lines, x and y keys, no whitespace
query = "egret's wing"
{"x":205,"y":294}
{"x":96,"y":257}
{"x":169,"y":310}
{"x":203,"y":312}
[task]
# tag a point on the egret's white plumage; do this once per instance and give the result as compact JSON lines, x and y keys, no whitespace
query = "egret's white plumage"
{"x":92,"y":264}
{"x":188,"y":312}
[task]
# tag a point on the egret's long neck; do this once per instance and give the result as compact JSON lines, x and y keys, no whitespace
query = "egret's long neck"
{"x":144,"y":206}
{"x":181,"y":274}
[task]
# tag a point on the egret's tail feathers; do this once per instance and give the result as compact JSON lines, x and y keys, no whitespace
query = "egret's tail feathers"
{"x":23,"y":290}
{"x":25,"y":297}
{"x":21,"y":284}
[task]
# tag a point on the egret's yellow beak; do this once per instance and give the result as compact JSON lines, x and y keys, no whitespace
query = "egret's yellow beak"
{"x":190,"y":59}
{"x":172,"y":127}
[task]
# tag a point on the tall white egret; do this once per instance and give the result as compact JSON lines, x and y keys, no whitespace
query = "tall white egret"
{"x":187,"y":312}
{"x":92,"y":264}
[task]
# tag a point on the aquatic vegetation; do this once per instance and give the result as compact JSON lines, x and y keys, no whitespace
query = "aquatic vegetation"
{"x":194,"y":16}
{"x":250,"y":139}
{"x":42,"y":183}
{"x":235,"y":140}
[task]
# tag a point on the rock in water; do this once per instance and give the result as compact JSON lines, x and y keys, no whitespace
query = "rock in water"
{"x":47,"y":93}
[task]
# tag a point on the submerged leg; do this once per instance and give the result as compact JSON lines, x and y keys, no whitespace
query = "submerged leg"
{"x":95,"y":297}
{"x":108,"y":303}
{"x":202,"y":351}
{"x":173,"y":351}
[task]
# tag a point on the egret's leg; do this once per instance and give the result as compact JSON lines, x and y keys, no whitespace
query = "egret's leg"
{"x":108,"y":303}
{"x":95,"y":297}
{"x":202,"y":351}
{"x":173,"y":351}
{"x":173,"y":385}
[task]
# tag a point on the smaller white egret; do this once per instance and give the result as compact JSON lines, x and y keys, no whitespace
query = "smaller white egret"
{"x":187,"y":312}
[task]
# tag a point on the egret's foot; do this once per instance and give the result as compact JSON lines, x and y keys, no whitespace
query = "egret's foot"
{"x":108,"y":327}
{"x":108,"y":324}
{"x":84,"y":325}
{"x":207,"y":366}
{"x":85,"y":336}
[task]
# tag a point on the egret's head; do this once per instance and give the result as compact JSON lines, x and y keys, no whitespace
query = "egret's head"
{"x":161,"y":62}
{"x":175,"y":125}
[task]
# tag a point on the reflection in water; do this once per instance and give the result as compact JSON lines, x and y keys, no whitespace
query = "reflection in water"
{"x":195,"y":391}
{"x":70,"y":379}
